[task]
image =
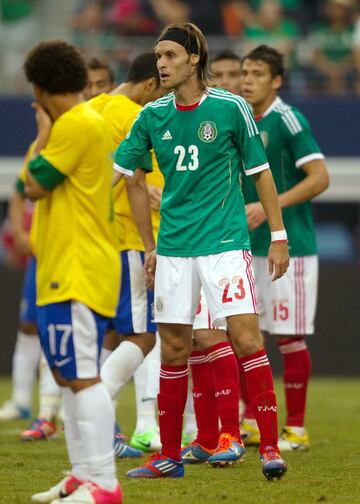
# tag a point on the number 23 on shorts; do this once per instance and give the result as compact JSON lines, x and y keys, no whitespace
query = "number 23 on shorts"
{"x":233,"y":289}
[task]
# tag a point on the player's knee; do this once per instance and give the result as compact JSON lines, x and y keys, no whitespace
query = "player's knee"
{"x":247,"y":343}
{"x":175,"y":352}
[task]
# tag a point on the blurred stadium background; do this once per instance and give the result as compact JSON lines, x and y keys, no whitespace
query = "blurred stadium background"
{"x":321,"y":40}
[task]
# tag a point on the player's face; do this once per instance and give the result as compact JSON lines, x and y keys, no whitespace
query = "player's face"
{"x":257,"y":83}
{"x":227,"y":74}
{"x":175,"y":65}
{"x":98,"y":82}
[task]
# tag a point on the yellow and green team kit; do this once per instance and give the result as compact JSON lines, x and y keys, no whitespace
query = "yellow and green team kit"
{"x":75,"y":244}
{"x":289,"y":144}
{"x":119,"y":113}
{"x":200,"y":152}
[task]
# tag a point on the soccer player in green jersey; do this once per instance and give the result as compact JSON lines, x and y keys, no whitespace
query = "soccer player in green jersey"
{"x":201,"y":137}
{"x":287,"y":307}
{"x":226,"y":69}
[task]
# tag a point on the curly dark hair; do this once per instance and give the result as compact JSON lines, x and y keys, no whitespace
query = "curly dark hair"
{"x":56,"y":67}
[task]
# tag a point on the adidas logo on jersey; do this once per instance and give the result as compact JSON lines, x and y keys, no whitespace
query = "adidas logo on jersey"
{"x":166,"y":135}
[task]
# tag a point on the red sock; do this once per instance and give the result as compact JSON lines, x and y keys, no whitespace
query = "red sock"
{"x":244,"y":396}
{"x":205,"y":404}
{"x":260,"y":387}
{"x":171,"y":404}
{"x":297,"y":370}
{"x":226,"y":374}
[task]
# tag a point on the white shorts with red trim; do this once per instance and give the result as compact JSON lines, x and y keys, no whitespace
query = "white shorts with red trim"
{"x":227,"y":280}
{"x":203,"y":318}
{"x":288,"y":305}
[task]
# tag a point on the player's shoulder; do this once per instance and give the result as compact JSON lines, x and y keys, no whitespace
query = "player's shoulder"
{"x":159,"y":104}
{"x":226,"y":98}
{"x":290,"y":118}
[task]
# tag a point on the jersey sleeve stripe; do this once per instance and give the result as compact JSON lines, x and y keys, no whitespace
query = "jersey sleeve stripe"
{"x":310,"y":157}
{"x":257,"y":169}
{"x":124,"y":171}
{"x":291,"y":122}
{"x":251,"y":126}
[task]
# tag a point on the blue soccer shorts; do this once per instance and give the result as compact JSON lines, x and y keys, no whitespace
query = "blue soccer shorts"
{"x":71,"y":336}
{"x":28,"y":296}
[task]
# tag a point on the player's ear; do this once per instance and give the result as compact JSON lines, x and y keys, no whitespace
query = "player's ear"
{"x":277,"y":82}
{"x":194,"y":59}
{"x":150,"y":84}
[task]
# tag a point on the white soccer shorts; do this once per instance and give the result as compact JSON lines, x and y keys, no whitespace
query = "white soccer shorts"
{"x":227,"y":279}
{"x":288,"y":305}
{"x":203,"y":318}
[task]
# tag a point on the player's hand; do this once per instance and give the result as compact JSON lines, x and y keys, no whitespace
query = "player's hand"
{"x":278,"y":259}
{"x":43,"y":120}
{"x":149,"y":268}
{"x":255,"y":215}
{"x":22,"y":245}
{"x":155,"y":194}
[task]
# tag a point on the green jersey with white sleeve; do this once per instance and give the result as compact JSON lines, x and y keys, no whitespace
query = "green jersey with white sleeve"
{"x":289,"y":144}
{"x":200,"y":150}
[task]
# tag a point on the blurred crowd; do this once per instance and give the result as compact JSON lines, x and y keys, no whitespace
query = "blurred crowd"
{"x":321,"y":38}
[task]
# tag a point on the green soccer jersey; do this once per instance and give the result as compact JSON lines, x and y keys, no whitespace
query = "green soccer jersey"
{"x":199,"y":151}
{"x":289,"y":144}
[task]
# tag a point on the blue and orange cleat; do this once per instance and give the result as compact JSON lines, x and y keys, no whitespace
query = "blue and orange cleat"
{"x":229,"y":451}
{"x":39,"y":429}
{"x":123,"y":450}
{"x":273,"y":466}
{"x":158,"y":466}
{"x":194,"y":453}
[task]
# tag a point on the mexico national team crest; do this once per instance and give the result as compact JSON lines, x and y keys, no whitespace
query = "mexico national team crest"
{"x":207,"y":131}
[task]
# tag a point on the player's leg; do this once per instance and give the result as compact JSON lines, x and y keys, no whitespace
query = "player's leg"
{"x":228,"y":282}
{"x":222,"y":387}
{"x":133,"y":322}
{"x":27,"y":353}
{"x":248,"y":427}
{"x":177,"y":290}
{"x":294,"y":306}
{"x":71,"y":335}
{"x":44,"y":426}
{"x":146,"y":380}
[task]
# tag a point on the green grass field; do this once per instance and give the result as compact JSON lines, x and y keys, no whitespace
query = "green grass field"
{"x":329,"y":472}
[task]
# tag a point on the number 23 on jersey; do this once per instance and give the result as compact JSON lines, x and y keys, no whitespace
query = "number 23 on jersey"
{"x":188,"y":159}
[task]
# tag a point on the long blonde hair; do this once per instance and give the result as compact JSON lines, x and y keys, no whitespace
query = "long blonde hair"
{"x":193,"y":31}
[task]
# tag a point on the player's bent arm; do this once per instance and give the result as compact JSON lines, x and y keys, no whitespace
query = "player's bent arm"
{"x":33,"y":190}
{"x":278,"y":259}
{"x":315,"y":182}
{"x":268,"y":197}
{"x":116,"y":177}
{"x":140,"y":207}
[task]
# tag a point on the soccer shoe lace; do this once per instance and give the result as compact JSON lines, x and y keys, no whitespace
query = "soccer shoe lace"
{"x":226,"y":442}
{"x":39,"y":429}
{"x":273,"y":466}
{"x":91,"y":493}
{"x":291,"y":440}
{"x":229,"y":451}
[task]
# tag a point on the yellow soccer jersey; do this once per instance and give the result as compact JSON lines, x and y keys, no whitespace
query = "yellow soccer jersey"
{"x":20,"y":187}
{"x":76,"y":251}
{"x":120,"y":113}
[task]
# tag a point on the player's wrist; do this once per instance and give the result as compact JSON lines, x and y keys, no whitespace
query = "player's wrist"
{"x":279,"y":236}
